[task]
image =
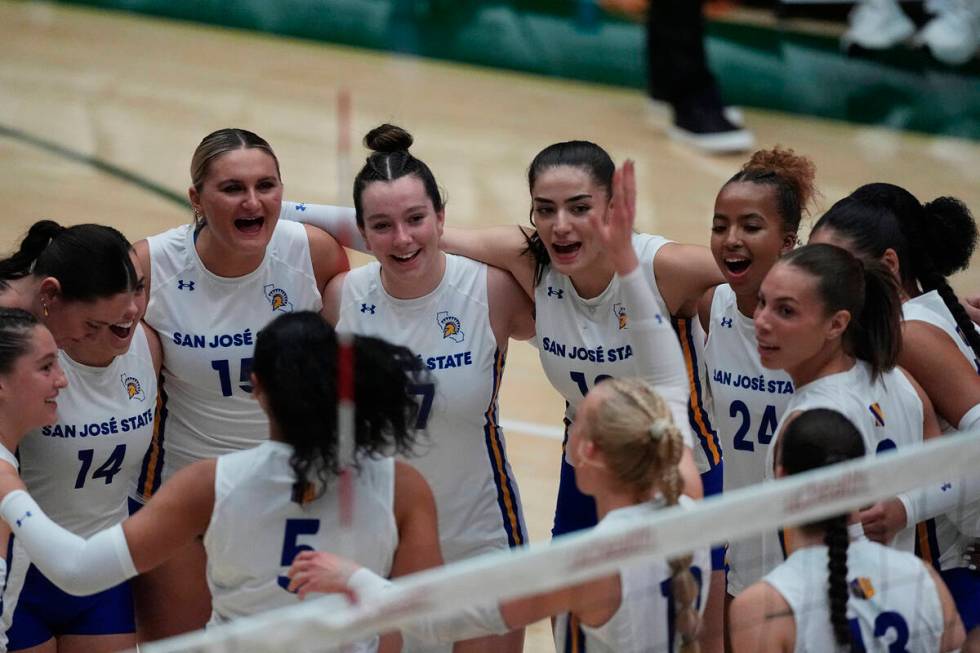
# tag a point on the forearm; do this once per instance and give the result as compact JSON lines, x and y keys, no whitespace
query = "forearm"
{"x":338,"y":221}
{"x":76,"y":565}
{"x":656,"y":352}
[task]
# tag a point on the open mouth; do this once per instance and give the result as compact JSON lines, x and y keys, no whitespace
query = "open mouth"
{"x":249,"y":225}
{"x":569,"y":248}
{"x":737,"y":265}
{"x":406,"y":257}
{"x":121,"y":330}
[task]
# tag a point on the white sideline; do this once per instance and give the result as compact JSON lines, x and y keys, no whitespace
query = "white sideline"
{"x":578,"y":557}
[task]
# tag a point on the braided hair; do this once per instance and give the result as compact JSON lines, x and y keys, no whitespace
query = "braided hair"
{"x":817,"y":438}
{"x":931,"y":240}
{"x":642,"y":447}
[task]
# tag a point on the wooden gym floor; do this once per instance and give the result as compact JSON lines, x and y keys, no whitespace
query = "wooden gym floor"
{"x":81,"y":90}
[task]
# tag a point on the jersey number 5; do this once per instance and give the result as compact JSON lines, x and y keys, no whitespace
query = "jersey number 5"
{"x":291,"y":547}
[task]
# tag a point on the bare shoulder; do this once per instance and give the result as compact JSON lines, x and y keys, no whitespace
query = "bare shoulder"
{"x":328,"y":257}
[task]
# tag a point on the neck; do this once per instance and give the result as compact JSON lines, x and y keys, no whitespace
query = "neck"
{"x":400,"y":287}
{"x":592,"y":281}
{"x":90,"y":359}
{"x":802,"y":538}
{"x":609,"y":500}
{"x":11,"y":433}
{"x":747,"y":303}
{"x":823,"y":364}
{"x":224,"y":261}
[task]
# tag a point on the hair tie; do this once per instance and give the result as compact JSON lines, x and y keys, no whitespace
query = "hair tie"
{"x":658,"y":428}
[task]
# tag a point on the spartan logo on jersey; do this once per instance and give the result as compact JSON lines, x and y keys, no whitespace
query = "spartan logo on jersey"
{"x":620,"y":312}
{"x":862,"y":588}
{"x":878,"y":413}
{"x":134,"y":389}
{"x":450,"y":325}
{"x":278,"y":298}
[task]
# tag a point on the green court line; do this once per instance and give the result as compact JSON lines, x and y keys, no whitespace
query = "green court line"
{"x":94,"y":162}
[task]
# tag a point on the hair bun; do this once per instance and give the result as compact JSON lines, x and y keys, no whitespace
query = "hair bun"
{"x":388,"y":138}
{"x":950,"y":233}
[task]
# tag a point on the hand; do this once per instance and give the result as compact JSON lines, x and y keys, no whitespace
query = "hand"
{"x":972,"y":306}
{"x":323,"y":572}
{"x":615,"y":232}
{"x":884,"y":520}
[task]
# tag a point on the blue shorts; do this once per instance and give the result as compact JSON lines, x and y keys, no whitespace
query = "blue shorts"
{"x":964,"y":585}
{"x":44,"y":611}
{"x":713,"y":481}
{"x":574,"y":511}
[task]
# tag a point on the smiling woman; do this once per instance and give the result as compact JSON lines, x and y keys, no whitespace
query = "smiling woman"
{"x":218,"y":281}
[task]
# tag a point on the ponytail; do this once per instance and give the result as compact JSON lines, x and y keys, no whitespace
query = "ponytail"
{"x":877,"y":337}
{"x":21,"y":263}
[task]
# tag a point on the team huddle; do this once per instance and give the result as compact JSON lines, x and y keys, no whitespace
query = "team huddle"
{"x":171,"y":455}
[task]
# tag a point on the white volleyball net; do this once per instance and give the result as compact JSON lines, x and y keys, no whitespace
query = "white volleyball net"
{"x":572,"y":559}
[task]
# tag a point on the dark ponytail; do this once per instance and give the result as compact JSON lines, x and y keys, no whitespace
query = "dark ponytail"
{"x":391,"y":160}
{"x":867,"y":291}
{"x":90,"y":261}
{"x":817,"y":438}
{"x":931,"y":241}
{"x":296,"y":363}
{"x":584,"y":155}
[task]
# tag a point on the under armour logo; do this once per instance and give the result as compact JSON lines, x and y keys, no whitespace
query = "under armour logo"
{"x":726,"y":322}
{"x":555,"y":293}
{"x":181,"y":285}
{"x":946,"y":486}
{"x":368,"y":308}
{"x":300,"y":207}
{"x":26,"y":515}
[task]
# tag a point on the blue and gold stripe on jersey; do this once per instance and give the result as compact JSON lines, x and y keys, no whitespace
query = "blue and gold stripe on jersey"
{"x":152,"y":468}
{"x":696,"y":412}
{"x":507,"y":497}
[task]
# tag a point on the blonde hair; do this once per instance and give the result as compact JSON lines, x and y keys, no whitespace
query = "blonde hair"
{"x":642,"y":447}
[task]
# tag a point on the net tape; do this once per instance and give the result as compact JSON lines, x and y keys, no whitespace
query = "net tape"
{"x":579,"y":557}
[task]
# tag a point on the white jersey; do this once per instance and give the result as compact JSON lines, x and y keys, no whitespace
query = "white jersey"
{"x":583,"y":341}
{"x":940,"y":540}
{"x":464,"y":458}
{"x":81,"y":468}
{"x":644,"y":620}
{"x":887,"y":412}
{"x":748,"y":401}
{"x":257,"y":529}
{"x":892,"y":599}
{"x":8,"y":598}
{"x":207,"y":326}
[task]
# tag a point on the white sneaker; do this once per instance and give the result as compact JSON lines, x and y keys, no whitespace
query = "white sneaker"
{"x":953,"y":35}
{"x":877,"y":25}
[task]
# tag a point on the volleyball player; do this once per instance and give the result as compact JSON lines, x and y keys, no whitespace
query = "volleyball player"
{"x":837,"y":590}
{"x":30,"y":380}
{"x":45,"y":277}
{"x":255,"y":509}
{"x":458,"y":315}
{"x":756,"y":217}
{"x":833,"y":324}
{"x":921,"y":245}
{"x":80,"y":467}
{"x":625,"y":449}
{"x":213,"y":285}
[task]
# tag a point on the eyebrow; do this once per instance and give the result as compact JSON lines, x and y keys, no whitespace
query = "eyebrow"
{"x":584,"y":196}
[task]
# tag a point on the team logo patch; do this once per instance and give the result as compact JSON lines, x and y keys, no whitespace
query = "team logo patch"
{"x":620,"y":312}
{"x":450,"y":325}
{"x":134,"y":389}
{"x":862,"y":588}
{"x":278,"y":298}
{"x":878,"y":414}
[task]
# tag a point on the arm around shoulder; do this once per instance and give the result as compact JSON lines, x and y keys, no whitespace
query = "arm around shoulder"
{"x":684,"y":273}
{"x":328,"y":257}
{"x":501,"y":247}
